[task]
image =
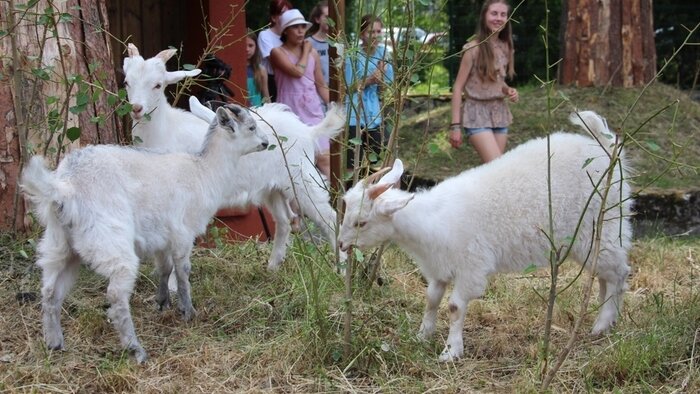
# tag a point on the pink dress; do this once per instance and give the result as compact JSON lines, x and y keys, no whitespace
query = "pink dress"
{"x":301,"y":96}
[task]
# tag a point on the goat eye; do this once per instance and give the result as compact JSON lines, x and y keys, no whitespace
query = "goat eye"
{"x":360,"y":224}
{"x":157,"y":86}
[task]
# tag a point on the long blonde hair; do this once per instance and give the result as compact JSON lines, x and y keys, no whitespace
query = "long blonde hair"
{"x":255,"y":62}
{"x":485,"y":57}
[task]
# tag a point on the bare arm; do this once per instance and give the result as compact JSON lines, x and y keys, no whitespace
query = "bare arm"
{"x":465,"y":67}
{"x":319,"y":80}
{"x":281,"y":62}
{"x":264,"y":91}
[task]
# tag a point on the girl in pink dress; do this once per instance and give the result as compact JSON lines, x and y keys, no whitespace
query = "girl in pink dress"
{"x":299,"y":79}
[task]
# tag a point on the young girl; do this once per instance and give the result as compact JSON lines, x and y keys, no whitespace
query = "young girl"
{"x":367,"y":71}
{"x":270,"y":38}
{"x":318,"y":35}
{"x":299,"y":79}
{"x":487,"y":61}
{"x":256,"y":73}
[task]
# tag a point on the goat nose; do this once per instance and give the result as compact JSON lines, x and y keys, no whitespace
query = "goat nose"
{"x":264,"y":144}
{"x":137,"y":108}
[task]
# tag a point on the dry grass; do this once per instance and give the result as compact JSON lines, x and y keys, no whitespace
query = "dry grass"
{"x":262,"y":332}
{"x":259,"y":332}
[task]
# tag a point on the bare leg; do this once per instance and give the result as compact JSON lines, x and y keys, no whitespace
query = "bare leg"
{"x":463,"y":292}
{"x":279,"y":209}
{"x":486,"y":146}
{"x":166,"y":277}
{"x":434,"y":293}
{"x":121,"y":285}
{"x":58,"y":276}
{"x":182,"y":271}
{"x":501,"y":140}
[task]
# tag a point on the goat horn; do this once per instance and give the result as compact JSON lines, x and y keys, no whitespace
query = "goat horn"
{"x":372,"y":178}
{"x":132,"y":50}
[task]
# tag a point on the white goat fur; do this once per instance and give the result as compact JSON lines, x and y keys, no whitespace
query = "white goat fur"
{"x":271,"y":182}
{"x":492,"y":218}
{"x":263,"y":180}
{"x":156,"y":124}
{"x":109,"y":206}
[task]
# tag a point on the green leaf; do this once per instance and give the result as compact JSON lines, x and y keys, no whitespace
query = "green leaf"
{"x":355,"y":141}
{"x":530,"y":269}
{"x":188,"y":67}
{"x":65,"y":18}
{"x":77,"y":109}
{"x":23,"y":253}
{"x":41,"y":73}
{"x":271,"y":147}
{"x":587,"y":162}
{"x":51,"y":100}
{"x":124,"y":109}
{"x":653,"y":146}
{"x":433,"y":148}
{"x":111,"y":99}
{"x":358,"y":255}
{"x":73,"y":133}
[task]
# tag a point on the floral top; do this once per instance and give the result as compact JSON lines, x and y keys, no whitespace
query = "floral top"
{"x":485,"y":104}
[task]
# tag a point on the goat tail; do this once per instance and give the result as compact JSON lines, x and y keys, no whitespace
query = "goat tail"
{"x":332,"y":124}
{"x":597,"y":126}
{"x":40,"y":187}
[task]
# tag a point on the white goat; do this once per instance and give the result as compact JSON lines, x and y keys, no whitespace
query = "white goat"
{"x":272,"y":178}
{"x":156,"y":124}
{"x":108,"y":206}
{"x":492,"y":219}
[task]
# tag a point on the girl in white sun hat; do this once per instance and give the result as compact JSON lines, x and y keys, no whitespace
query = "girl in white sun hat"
{"x":299,"y":79}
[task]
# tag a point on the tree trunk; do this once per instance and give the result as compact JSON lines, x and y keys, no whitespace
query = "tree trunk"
{"x":607,"y":42}
{"x":57,"y":77}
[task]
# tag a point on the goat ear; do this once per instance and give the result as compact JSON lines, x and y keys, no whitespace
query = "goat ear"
{"x":387,"y":206}
{"x":166,"y":54}
{"x":223,"y":115}
{"x":176,"y":76}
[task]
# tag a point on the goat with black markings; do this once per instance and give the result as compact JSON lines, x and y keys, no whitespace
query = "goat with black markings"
{"x":108,"y":206}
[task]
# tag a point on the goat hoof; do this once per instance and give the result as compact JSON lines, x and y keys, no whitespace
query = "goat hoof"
{"x":449,"y":355}
{"x":188,"y":314}
{"x":140,"y":355}
{"x":54,"y":347}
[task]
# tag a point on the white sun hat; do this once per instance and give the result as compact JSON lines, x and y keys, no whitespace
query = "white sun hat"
{"x":292,"y":17}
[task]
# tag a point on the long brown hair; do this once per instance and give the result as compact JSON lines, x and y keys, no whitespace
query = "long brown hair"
{"x":255,"y":62}
{"x":314,"y":16}
{"x":485,"y":57}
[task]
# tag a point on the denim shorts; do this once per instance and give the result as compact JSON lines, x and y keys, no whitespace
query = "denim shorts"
{"x":496,"y":130}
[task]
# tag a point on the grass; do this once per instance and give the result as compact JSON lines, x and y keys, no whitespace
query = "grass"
{"x":257,"y":331}
{"x":261,"y":332}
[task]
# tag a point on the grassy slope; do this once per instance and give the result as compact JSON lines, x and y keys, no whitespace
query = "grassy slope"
{"x":663,"y":149}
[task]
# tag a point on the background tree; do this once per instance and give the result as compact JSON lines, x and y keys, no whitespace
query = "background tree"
{"x":672,"y":20}
{"x":607,"y":43}
{"x":57,"y":84}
